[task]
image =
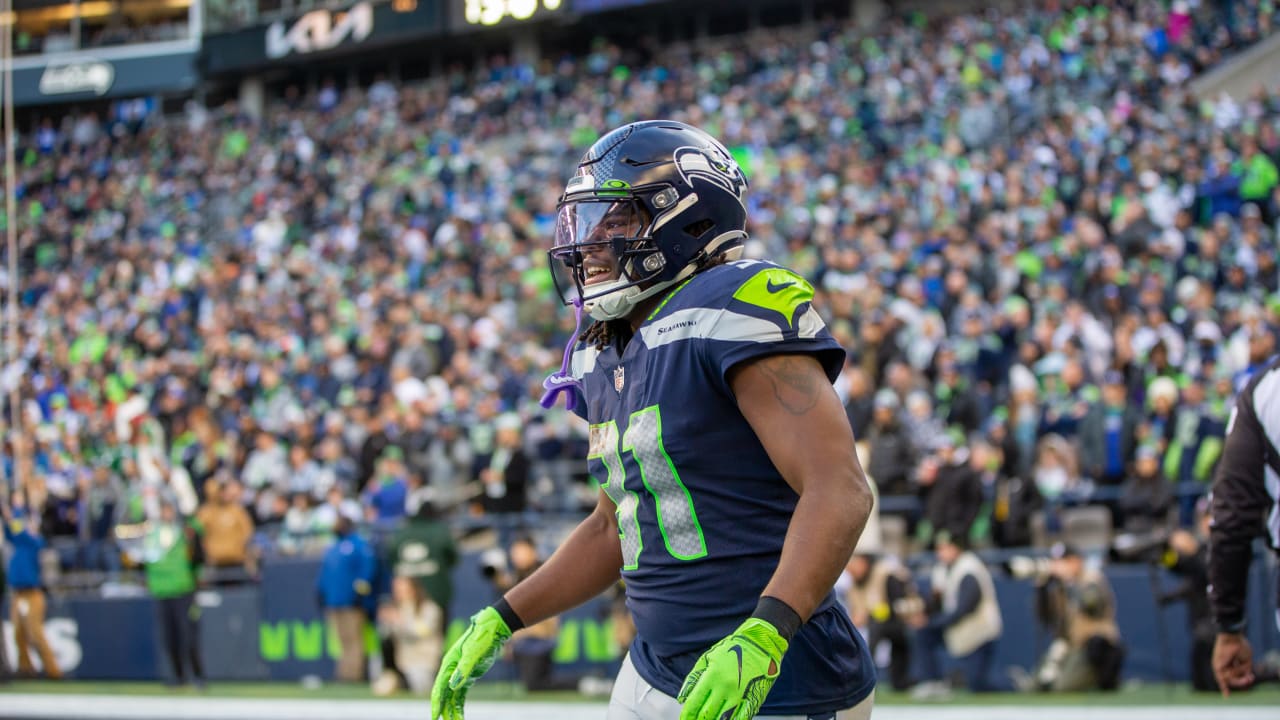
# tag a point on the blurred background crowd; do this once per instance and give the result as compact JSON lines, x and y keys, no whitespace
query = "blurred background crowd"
{"x":1051,"y":264}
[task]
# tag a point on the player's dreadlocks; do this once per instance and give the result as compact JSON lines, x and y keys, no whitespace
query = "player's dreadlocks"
{"x":603,"y":333}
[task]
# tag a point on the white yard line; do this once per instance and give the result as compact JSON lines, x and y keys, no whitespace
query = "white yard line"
{"x":107,"y":707}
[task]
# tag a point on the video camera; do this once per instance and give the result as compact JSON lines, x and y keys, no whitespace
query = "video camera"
{"x":1027,"y":568}
{"x":1143,"y":547}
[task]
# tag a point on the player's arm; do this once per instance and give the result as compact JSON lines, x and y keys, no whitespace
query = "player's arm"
{"x":793,"y":409}
{"x":1239,"y":499}
{"x":585,"y":565}
{"x":795,"y":412}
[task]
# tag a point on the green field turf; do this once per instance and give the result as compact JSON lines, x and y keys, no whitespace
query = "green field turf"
{"x":1149,"y":695}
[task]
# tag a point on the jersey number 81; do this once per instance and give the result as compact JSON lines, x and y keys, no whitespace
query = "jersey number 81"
{"x":674,"y":507}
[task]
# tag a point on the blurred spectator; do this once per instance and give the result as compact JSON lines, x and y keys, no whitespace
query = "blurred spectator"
{"x":171,"y":556}
{"x":926,"y":431}
{"x":1056,"y":471}
{"x":1260,"y":176}
{"x":344,"y":590}
{"x":882,"y":600}
{"x":324,"y":518}
{"x":207,"y":452}
{"x":1147,"y":497}
{"x":27,"y":606}
{"x":304,"y":475}
{"x":950,"y":490}
{"x":412,"y":623}
{"x":227,"y":528}
{"x":504,"y":478}
{"x":1107,"y":433}
{"x":1158,"y":425}
{"x":860,"y":403}
{"x":388,"y":491}
{"x":1076,"y":602}
{"x":1197,"y":438}
{"x":1016,"y":502}
{"x":963,"y":618}
{"x":372,"y":449}
{"x":532,"y":646}
{"x":102,"y":502}
{"x":892,"y":451}
{"x":301,"y":532}
{"x":336,"y":469}
{"x":266,"y":469}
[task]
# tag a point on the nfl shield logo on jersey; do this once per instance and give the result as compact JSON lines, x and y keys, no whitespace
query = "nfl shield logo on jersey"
{"x":619,"y":378}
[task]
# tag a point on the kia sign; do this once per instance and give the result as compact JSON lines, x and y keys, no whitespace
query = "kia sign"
{"x":320,"y":30}
{"x":92,"y":76}
{"x":361,"y":28}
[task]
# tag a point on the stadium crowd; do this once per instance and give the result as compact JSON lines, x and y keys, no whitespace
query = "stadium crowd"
{"x":1051,"y":266}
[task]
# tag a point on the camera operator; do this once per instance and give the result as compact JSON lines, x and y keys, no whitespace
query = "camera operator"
{"x":1246,"y":493}
{"x":882,"y":598}
{"x":964,"y":618}
{"x":1076,"y":602}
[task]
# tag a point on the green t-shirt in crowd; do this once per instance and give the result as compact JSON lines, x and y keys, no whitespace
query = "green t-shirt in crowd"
{"x":167,"y":554}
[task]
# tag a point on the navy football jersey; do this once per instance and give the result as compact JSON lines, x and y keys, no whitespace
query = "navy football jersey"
{"x":702,"y":511}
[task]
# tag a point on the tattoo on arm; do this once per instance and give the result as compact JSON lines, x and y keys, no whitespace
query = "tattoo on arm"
{"x":793,"y":383}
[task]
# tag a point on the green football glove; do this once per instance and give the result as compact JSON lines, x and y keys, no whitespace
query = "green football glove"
{"x":730,"y":681}
{"x":467,"y":659}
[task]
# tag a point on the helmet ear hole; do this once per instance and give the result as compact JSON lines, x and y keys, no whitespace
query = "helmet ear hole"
{"x":699,"y":228}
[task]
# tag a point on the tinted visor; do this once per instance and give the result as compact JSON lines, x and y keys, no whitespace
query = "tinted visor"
{"x":593,"y":241}
{"x":598,"y":221}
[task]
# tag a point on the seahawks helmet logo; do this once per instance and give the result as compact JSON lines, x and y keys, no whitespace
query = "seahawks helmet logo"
{"x":713,"y":165}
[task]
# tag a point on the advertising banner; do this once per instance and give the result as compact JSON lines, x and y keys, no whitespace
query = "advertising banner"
{"x":320,"y":33}
{"x":93,"y":77}
{"x":275,"y":631}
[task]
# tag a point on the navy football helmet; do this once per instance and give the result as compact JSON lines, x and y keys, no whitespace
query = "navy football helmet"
{"x":651,"y":203}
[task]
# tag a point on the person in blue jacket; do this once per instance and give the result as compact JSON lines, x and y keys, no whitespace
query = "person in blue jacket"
{"x":345,"y":591}
{"x":27,"y":607}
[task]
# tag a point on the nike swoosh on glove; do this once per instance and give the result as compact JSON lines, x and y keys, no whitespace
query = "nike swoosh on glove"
{"x":731,"y":680}
{"x":467,"y":659}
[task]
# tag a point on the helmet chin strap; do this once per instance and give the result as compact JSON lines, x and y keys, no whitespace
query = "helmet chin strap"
{"x":617,"y":304}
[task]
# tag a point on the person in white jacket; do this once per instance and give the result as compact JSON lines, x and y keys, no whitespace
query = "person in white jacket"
{"x":965,"y":619}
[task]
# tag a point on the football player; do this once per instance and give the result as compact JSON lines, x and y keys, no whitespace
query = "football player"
{"x":731,"y":495}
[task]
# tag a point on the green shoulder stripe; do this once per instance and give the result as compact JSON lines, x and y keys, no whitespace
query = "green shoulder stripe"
{"x":776,"y":289}
{"x":667,"y":299}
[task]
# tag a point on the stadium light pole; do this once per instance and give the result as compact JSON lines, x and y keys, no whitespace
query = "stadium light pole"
{"x":11,"y":229}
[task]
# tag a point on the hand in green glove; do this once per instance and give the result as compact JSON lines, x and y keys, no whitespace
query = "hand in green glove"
{"x":730,"y":681}
{"x":467,"y":659}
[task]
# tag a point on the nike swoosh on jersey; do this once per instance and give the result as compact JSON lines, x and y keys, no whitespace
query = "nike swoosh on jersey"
{"x":779,"y":287}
